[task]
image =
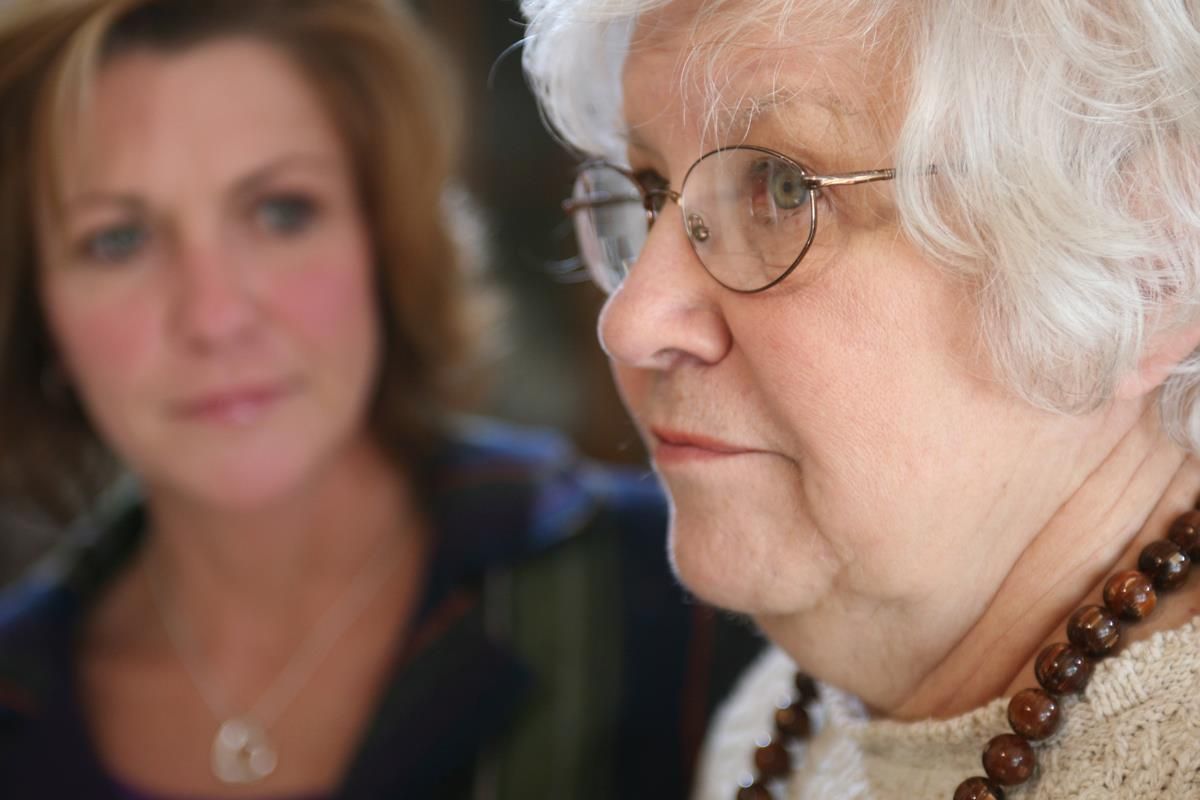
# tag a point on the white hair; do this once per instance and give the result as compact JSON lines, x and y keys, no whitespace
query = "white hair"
{"x":1066,"y":135}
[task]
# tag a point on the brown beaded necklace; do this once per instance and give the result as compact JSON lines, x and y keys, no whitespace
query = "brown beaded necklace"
{"x":1062,"y":668}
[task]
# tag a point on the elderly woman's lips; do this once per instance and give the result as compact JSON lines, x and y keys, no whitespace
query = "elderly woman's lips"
{"x":235,"y":406}
{"x":675,"y":446}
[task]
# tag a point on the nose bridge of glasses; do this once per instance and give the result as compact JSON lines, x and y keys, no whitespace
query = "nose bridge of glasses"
{"x":694,"y":225}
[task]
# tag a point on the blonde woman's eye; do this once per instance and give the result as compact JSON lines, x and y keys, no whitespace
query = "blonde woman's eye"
{"x":287,"y":214}
{"x":115,"y":245}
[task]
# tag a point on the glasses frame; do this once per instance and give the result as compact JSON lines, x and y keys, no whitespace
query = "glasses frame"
{"x":653,"y":200}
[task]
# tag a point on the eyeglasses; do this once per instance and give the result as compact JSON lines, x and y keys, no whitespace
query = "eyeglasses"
{"x":750,"y":214}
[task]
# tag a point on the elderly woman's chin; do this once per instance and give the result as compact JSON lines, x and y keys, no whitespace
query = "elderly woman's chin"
{"x":748,"y":550}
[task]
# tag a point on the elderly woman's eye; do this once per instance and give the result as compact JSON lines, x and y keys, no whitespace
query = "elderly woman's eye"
{"x":787,"y":186}
{"x":653,"y":186}
{"x":286,"y":214}
{"x":776,"y":186}
{"x":114,"y":245}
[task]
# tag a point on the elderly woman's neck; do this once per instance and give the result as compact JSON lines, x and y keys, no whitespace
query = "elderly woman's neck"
{"x":1128,"y":500}
{"x":955,"y":649}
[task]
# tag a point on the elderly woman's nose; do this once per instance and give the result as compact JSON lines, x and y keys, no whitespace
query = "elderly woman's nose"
{"x":667,"y":310}
{"x":211,"y":293}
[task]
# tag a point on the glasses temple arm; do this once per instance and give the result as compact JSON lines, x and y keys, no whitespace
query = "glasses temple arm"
{"x":572,"y":205}
{"x":852,"y":178}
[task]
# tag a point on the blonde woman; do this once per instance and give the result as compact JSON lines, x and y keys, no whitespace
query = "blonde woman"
{"x":227,"y":273}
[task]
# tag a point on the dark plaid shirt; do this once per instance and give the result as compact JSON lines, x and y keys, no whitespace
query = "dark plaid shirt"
{"x":553,"y":656}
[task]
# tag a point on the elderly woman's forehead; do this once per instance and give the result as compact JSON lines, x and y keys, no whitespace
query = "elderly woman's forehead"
{"x":717,"y":66}
{"x":773,"y":25}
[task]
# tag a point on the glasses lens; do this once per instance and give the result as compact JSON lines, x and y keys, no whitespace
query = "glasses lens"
{"x":610,"y":223}
{"x":749,"y":215}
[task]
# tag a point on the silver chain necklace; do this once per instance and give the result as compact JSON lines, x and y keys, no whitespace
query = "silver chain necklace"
{"x":242,"y":752}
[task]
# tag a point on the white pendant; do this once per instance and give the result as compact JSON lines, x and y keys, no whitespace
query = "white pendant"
{"x":241,"y":752}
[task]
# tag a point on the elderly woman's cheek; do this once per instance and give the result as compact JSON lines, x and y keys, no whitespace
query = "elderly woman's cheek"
{"x":632,"y":385}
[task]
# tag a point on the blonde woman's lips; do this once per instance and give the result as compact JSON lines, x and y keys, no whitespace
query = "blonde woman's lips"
{"x":234,"y":406}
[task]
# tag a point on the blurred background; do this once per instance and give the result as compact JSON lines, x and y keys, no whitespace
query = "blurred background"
{"x":552,"y":371}
{"x":548,"y":369}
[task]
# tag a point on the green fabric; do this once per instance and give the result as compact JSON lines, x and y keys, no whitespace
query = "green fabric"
{"x":563,"y":614}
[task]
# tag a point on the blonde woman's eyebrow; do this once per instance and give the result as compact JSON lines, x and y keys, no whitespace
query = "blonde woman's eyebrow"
{"x":93,"y":199}
{"x":131,"y":201}
{"x":253,"y":182}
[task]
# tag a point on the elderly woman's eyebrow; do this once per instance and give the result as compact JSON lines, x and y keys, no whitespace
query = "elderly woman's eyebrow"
{"x":799,"y":95}
{"x":801,"y":117}
{"x":635,"y":140}
{"x":791,"y":108}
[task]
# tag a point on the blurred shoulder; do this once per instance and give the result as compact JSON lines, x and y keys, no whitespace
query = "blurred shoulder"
{"x":37,"y":616}
{"x":29,"y":609}
{"x":534,"y":479}
{"x":40,"y":612}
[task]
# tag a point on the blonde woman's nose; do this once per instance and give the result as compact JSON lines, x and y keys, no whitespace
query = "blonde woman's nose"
{"x":213,"y":301}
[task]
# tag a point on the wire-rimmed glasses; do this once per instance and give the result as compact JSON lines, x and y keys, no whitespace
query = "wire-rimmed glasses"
{"x":749,"y":212}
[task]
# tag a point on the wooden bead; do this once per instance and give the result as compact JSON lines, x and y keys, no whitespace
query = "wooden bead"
{"x":1130,"y":595}
{"x":755,"y":791}
{"x":1034,"y":714}
{"x":806,"y":688}
{"x":792,"y":722}
{"x":1095,"y":630}
{"x":772,"y":760}
{"x":1185,"y":532}
{"x":1063,"y":669}
{"x":1165,"y":563}
{"x":1008,"y":759}
{"x":976,"y":789}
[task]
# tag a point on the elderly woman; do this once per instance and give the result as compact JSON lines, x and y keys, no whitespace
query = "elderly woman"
{"x":905,"y":299}
{"x":225,"y":271}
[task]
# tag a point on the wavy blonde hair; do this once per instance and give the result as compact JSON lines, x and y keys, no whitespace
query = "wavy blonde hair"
{"x":1072,"y":131}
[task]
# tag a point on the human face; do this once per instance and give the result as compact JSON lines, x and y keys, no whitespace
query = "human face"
{"x":209,"y":286}
{"x":836,"y":447}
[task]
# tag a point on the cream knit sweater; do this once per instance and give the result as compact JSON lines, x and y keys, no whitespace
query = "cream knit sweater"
{"x":1134,"y":734}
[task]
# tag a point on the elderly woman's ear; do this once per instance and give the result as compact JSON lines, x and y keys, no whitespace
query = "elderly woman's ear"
{"x":1164,"y":351}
